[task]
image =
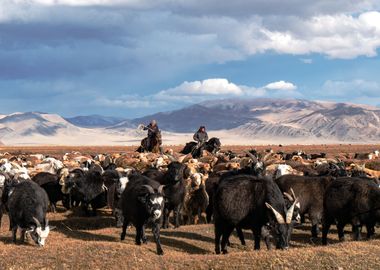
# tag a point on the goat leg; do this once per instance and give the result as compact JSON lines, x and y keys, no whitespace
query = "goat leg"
{"x":156,"y":234}
{"x":177,"y":215}
{"x":14,"y":234}
{"x":124,"y":229}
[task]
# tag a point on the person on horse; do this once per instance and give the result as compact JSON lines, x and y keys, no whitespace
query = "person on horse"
{"x":200,"y":136}
{"x":153,"y":132}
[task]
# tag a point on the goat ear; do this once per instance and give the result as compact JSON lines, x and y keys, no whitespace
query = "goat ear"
{"x":52,"y":228}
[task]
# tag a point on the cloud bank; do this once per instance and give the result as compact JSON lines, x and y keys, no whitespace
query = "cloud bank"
{"x":198,"y":91}
{"x":120,"y":53}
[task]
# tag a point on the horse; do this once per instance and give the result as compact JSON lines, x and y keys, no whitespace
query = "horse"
{"x":212,"y":146}
{"x":154,"y":147}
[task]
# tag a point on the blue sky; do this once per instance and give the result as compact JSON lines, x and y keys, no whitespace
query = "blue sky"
{"x":131,"y":58}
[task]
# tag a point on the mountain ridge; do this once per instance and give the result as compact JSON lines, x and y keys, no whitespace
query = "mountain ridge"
{"x":272,"y":120}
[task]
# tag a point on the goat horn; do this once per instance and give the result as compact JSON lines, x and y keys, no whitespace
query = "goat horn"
{"x":279,"y":218}
{"x":290,"y":198}
{"x":149,"y":188}
{"x":253,"y":157}
{"x":160,"y":188}
{"x":46,"y":223}
{"x":289,"y":213}
{"x":294,"y":195}
{"x":38,"y":224}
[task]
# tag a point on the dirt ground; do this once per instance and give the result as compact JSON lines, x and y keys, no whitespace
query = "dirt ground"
{"x":81,"y":242}
{"x":93,"y":243}
{"x":331,"y":149}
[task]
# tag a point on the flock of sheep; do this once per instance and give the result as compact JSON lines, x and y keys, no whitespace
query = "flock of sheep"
{"x":265,"y":192}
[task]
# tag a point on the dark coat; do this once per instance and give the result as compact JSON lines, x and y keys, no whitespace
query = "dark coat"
{"x":152,"y":130}
{"x":200,"y":136}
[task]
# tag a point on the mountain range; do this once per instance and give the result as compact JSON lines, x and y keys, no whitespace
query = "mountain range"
{"x":94,"y":121}
{"x":234,"y":120}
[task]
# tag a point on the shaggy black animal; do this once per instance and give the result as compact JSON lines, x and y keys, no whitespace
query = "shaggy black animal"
{"x":50,"y":183}
{"x":256,"y":168}
{"x":115,"y":182}
{"x":27,"y":204}
{"x":310,"y":192}
{"x":354,"y":201}
{"x":4,"y":178}
{"x":332,"y":169}
{"x":211,"y":186}
{"x":174,"y":191}
{"x":89,"y":189}
{"x":245,"y":201}
{"x":213,"y":146}
{"x":142,"y":204}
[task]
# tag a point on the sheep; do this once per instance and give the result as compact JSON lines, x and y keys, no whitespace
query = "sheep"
{"x":197,"y":200}
{"x":371,"y":173}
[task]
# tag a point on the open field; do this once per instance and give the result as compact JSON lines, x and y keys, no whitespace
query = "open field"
{"x":93,"y":242}
{"x":330,"y":149}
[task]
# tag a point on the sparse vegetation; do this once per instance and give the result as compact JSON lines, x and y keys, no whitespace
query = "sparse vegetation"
{"x":94,"y":243}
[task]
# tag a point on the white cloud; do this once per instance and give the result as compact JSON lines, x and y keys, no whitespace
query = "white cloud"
{"x":216,"y":86}
{"x":198,"y":91}
{"x":280,"y":85}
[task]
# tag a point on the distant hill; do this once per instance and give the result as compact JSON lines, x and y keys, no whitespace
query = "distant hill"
{"x":29,"y":123}
{"x":275,"y":118}
{"x":94,"y":121}
{"x":41,"y":128}
{"x":235,"y":121}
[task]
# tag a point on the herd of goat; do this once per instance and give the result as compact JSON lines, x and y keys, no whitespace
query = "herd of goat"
{"x":267,"y":193}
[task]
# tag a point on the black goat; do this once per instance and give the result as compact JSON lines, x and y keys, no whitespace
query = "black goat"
{"x":4,"y":178}
{"x":174,"y":191}
{"x":255,"y":168}
{"x":89,"y":188}
{"x":50,"y":183}
{"x":241,"y":202}
{"x":27,"y":204}
{"x":142,"y":204}
{"x":310,"y":192}
{"x":354,"y":201}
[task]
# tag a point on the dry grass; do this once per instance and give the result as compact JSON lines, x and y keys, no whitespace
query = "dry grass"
{"x":331,"y":149}
{"x":93,"y":242}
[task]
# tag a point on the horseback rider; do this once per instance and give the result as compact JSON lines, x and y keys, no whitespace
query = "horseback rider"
{"x":201,"y":136}
{"x":153,"y":132}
